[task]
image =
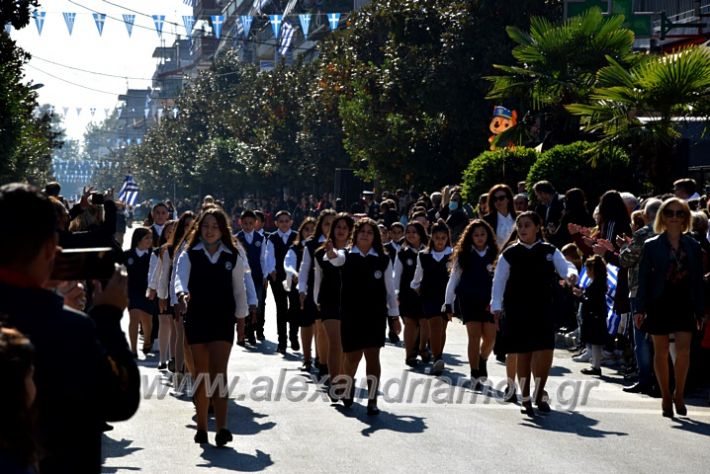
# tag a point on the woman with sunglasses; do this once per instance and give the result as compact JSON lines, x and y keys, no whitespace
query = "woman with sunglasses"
{"x":670,"y":297}
{"x":501,"y":213}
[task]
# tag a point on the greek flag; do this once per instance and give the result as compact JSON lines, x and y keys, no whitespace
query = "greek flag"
{"x":129,"y":191}
{"x":612,"y":319}
{"x":287,"y":34}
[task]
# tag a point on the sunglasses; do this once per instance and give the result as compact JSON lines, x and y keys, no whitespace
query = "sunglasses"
{"x":680,"y":213}
{"x":500,"y":197}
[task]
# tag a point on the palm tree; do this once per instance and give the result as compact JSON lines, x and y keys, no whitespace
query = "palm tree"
{"x":640,"y":108}
{"x":557,"y":64}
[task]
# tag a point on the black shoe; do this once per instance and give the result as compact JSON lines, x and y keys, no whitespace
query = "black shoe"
{"x":425,"y":355}
{"x":475,"y":379}
{"x":260,"y":336}
{"x":592,"y":371}
{"x":500,"y":358}
{"x":306,"y":366}
{"x":322,"y":371}
{"x":526,"y":408}
{"x":251,"y":339}
{"x":412,"y":362}
{"x":106,"y":427}
{"x":512,"y":397}
{"x":201,"y":437}
{"x":350,"y":398}
{"x":163,"y":366}
{"x":281,"y":350}
{"x":171,"y":365}
{"x":681,"y":409}
{"x":543,"y":407}
{"x":242,"y":343}
{"x":394,"y":338}
{"x":372,"y":410}
{"x":667,"y":412}
{"x":635,"y":388}
{"x":135,"y":355}
{"x":223,"y":437}
{"x":483,"y":367}
{"x":295,"y":345}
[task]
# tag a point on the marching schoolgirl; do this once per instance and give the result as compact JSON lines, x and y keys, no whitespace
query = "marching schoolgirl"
{"x":594,"y":312}
{"x":165,"y":317}
{"x":327,"y":292}
{"x":159,"y":216}
{"x":254,"y":244}
{"x":368,"y":298}
{"x":430,"y":279}
{"x":470,"y":288}
{"x":166,"y":291}
{"x":209,"y":284}
{"x":292,"y":262}
{"x":396,"y":232}
{"x":523,"y":286}
{"x":140,"y":308}
{"x":410,"y":305}
{"x":306,"y":275}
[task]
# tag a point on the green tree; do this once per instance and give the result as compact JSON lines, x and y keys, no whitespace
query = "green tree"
{"x":493,"y":167}
{"x":640,"y":108}
{"x":556,"y":64}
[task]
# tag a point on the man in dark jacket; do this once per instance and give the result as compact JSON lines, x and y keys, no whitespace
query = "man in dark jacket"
{"x":84,"y":371}
{"x":550,"y":206}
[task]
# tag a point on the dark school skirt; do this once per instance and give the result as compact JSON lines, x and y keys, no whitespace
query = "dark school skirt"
{"x":362,"y":331}
{"x":138,"y":301}
{"x":200,"y":329}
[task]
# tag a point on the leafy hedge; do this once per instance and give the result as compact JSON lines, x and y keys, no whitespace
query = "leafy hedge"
{"x":499,"y":166}
{"x":577,"y":165}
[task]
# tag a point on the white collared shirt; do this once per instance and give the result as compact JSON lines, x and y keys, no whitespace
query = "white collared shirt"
{"x":159,"y":229}
{"x":271,"y":252}
{"x":305,"y":269}
{"x":419,"y":272}
{"x":140,"y":252}
{"x":504,"y":228}
{"x":182,"y":275}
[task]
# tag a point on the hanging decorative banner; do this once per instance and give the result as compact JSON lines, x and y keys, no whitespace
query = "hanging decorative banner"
{"x":276,"y":21}
{"x":333,"y":20}
{"x":128,"y":141}
{"x":189,"y":22}
{"x":139,"y":140}
{"x":100,"y":18}
{"x":305,"y":20}
{"x":217,"y":22}
{"x":129,"y":20}
{"x":189,"y":3}
{"x":160,"y":113}
{"x":39,"y":20}
{"x":159,"y":20}
{"x":69,"y":18}
{"x":246,"y":24}
{"x":286,"y":38}
{"x":65,"y":110}
{"x":78,"y":111}
{"x":93,"y":111}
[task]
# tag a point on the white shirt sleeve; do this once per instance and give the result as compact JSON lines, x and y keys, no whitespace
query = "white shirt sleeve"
{"x":249,"y":284}
{"x":500,"y":279}
{"x":270,"y":265}
{"x":317,"y":278}
{"x":339,"y":259}
{"x":563,"y":267}
{"x":392,"y":303}
{"x":418,"y":275}
{"x":304,"y":270}
{"x":153,"y":271}
{"x":454,"y":280}
{"x":239,"y":288}
{"x":182,"y":273}
{"x":262,"y":257}
{"x":398,"y":269}
{"x":290,"y":263}
{"x":164,"y":275}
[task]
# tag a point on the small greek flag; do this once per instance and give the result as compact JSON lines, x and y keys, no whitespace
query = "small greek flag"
{"x":612,"y":320}
{"x":129,"y":191}
{"x":287,"y":35}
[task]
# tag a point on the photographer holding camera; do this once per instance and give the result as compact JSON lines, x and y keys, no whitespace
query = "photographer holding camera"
{"x":84,"y":372}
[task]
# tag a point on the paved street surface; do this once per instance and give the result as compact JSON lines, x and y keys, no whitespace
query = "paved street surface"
{"x":433,"y":425}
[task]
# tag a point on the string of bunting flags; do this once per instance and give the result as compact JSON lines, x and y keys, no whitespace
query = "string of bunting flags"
{"x":157,"y":112}
{"x":280,"y":24}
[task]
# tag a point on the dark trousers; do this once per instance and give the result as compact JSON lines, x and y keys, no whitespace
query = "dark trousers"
{"x":258,"y":327}
{"x":282,"y":314}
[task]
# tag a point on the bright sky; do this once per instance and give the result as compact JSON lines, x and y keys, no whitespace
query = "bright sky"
{"x":113,"y":53}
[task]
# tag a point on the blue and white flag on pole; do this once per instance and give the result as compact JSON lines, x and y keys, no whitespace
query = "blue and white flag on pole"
{"x":333,"y":20}
{"x":129,"y":20}
{"x":217,"y":22}
{"x":39,"y":20}
{"x":246,"y":24}
{"x":612,"y":320}
{"x":159,"y":20}
{"x":276,"y":21}
{"x":129,"y":191}
{"x":189,"y":22}
{"x":286,"y":38}
{"x":69,"y":18}
{"x":100,"y":19}
{"x":305,"y":20}
{"x":190,"y":3}
{"x":78,"y":111}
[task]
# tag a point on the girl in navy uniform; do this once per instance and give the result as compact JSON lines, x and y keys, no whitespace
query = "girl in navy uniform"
{"x":209,"y":283}
{"x":327,"y":291}
{"x":523,"y":286}
{"x":292,"y":262}
{"x":593,"y":331}
{"x":277,"y":246}
{"x":165,"y":314}
{"x":306,"y":275}
{"x":410,"y":305}
{"x":368,"y":298}
{"x":430,"y":279}
{"x":140,"y":308}
{"x":469,"y":292}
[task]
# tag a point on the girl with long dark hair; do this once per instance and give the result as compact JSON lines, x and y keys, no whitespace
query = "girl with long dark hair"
{"x":140,"y":308}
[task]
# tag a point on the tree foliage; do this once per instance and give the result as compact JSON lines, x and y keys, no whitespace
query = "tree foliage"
{"x":505,"y":165}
